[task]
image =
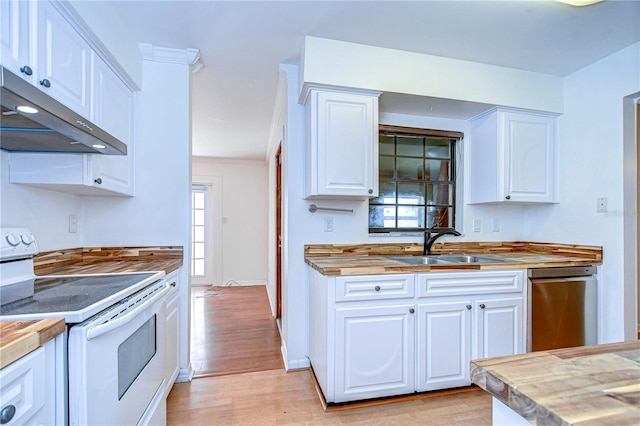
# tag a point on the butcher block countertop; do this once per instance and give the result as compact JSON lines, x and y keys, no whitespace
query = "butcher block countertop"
{"x":101,"y":260}
{"x":373,"y":259}
{"x":588,"y":385}
{"x":18,"y":338}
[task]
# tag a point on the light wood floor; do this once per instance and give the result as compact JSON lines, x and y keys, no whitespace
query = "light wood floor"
{"x":233,"y":331}
{"x":279,"y":398}
{"x":226,"y":328}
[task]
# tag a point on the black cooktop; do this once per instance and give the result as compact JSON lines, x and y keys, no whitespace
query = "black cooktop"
{"x":65,"y":293}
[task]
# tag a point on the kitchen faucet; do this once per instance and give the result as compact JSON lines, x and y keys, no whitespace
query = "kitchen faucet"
{"x":430,"y":239}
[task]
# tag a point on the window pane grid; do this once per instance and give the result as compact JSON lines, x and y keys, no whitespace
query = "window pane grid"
{"x":198,"y":232}
{"x":417,"y":184}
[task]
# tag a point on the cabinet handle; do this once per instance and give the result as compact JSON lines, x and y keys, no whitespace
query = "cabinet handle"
{"x":411,"y":311}
{"x":377,"y":288}
{"x":26,"y":70}
{"x":469,"y":307}
{"x":98,"y":181}
{"x":482,"y":306}
{"x":173,"y":284}
{"x":371,"y":191}
{"x":508,"y":197}
{"x":7,"y":413}
{"x":46,"y":83}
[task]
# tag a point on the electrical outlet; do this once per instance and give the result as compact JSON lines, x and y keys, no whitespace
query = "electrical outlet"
{"x":328,"y":224}
{"x":603,"y":205}
{"x":495,"y":224}
{"x":477,"y":225}
{"x":73,"y":223}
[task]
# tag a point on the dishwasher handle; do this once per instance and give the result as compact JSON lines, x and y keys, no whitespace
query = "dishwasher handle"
{"x":563,"y":271}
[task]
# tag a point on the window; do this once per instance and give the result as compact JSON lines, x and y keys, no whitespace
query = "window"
{"x":417,"y":180}
{"x":198,"y":197}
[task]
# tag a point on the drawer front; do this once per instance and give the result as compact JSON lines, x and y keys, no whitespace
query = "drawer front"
{"x":374,"y":287}
{"x":439,"y":284}
{"x":22,"y":386}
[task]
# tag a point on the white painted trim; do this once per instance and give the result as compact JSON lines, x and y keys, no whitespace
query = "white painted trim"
{"x":243,"y":283}
{"x":185,"y":374}
{"x":232,"y":161}
{"x":295,"y":364}
{"x":187,"y":56}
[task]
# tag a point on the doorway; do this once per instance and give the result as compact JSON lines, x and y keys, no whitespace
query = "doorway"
{"x":279,"y":233}
{"x":206,"y":231}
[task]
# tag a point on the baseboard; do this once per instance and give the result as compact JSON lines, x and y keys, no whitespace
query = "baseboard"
{"x":185,"y":374}
{"x":230,"y":283}
{"x":294,"y":364}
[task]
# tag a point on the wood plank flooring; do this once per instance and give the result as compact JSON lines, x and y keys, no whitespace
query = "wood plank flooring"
{"x":279,"y":398}
{"x":233,"y":331}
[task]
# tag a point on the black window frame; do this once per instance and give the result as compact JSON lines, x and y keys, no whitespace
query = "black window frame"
{"x":453,"y":138}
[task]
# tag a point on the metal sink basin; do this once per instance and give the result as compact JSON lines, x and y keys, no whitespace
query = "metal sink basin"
{"x":421,"y":260}
{"x":445,"y":259}
{"x":469,"y":258}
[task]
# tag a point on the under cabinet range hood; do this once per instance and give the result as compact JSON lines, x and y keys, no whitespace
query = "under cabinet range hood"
{"x":47,"y":125}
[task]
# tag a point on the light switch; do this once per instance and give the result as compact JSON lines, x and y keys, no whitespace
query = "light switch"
{"x":476,"y":225}
{"x":328,"y":224}
{"x":73,"y":223}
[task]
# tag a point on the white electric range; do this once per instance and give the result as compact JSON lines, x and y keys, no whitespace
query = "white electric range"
{"x":114,"y":334}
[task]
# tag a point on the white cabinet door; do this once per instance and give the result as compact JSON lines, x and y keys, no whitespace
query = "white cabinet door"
{"x":63,"y":60}
{"x":16,"y":36}
{"x":513,"y":157}
{"x":374,"y":352}
{"x":342,"y":145}
{"x":112,"y":108}
{"x":499,"y":327}
{"x":172,"y":309}
{"x":530,"y":151}
{"x":443,"y":345}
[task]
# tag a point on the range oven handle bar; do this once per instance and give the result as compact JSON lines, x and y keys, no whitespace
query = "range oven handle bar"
{"x":103,"y":328}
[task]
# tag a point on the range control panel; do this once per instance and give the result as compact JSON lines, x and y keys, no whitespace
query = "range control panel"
{"x":16,"y":243}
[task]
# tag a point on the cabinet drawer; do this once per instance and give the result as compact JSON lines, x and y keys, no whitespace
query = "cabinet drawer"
{"x":467,"y":283}
{"x":23,"y":386}
{"x":374,"y":287}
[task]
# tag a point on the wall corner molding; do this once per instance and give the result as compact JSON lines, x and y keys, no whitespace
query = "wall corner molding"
{"x":187,"y":56}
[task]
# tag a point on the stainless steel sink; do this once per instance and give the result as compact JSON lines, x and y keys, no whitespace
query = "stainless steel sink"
{"x":421,"y":260}
{"x":445,"y":259}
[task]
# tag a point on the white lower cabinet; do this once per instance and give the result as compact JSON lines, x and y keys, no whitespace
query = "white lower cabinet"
{"x":405,"y":333}
{"x":172,"y":310}
{"x":374,"y":351}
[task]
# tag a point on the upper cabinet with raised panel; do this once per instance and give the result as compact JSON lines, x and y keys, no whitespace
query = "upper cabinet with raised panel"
{"x":342,"y":144}
{"x":513,"y":157}
{"x":16,"y":39}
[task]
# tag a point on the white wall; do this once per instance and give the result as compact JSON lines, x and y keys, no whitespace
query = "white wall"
{"x":44,"y":212}
{"x":591,"y":166}
{"x":244,"y":206}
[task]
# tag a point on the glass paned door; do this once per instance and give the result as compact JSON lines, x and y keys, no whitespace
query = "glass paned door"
{"x":198,"y":231}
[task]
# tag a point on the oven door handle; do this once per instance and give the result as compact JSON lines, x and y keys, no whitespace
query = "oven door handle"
{"x":103,"y":328}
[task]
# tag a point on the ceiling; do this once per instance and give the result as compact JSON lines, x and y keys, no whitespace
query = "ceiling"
{"x":242,"y":42}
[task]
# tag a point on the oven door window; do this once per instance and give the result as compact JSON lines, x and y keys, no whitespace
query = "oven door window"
{"x":134,"y":354}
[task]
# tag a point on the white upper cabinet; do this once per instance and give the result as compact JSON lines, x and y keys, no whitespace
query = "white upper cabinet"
{"x":16,"y":38}
{"x":513,"y":157}
{"x":342,"y":144}
{"x":63,"y":60}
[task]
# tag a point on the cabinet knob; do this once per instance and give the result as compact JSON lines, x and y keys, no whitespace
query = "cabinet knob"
{"x":98,"y":181}
{"x":173,"y":284}
{"x":469,"y":307}
{"x":46,"y":83}
{"x":26,"y":70}
{"x":411,"y":311}
{"x":371,"y":191}
{"x":377,"y":288}
{"x":7,"y":413}
{"x":482,"y":306}
{"x":508,"y":197}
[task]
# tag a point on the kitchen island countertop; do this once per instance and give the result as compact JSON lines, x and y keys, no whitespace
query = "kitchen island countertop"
{"x":574,"y":386}
{"x":18,"y":338}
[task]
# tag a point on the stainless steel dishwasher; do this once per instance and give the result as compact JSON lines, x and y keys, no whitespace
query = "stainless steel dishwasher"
{"x":562,"y":307}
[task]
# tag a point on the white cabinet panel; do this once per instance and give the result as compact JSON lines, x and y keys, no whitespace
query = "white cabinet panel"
{"x":172,"y":310}
{"x":443,"y":345}
{"x":342,"y":144}
{"x":374,"y":287}
{"x":499,"y":327}
{"x":16,"y":37}
{"x":63,"y":60}
{"x":513,"y":157}
{"x":374,"y":352}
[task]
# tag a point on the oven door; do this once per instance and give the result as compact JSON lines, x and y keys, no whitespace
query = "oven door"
{"x":116,"y":361}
